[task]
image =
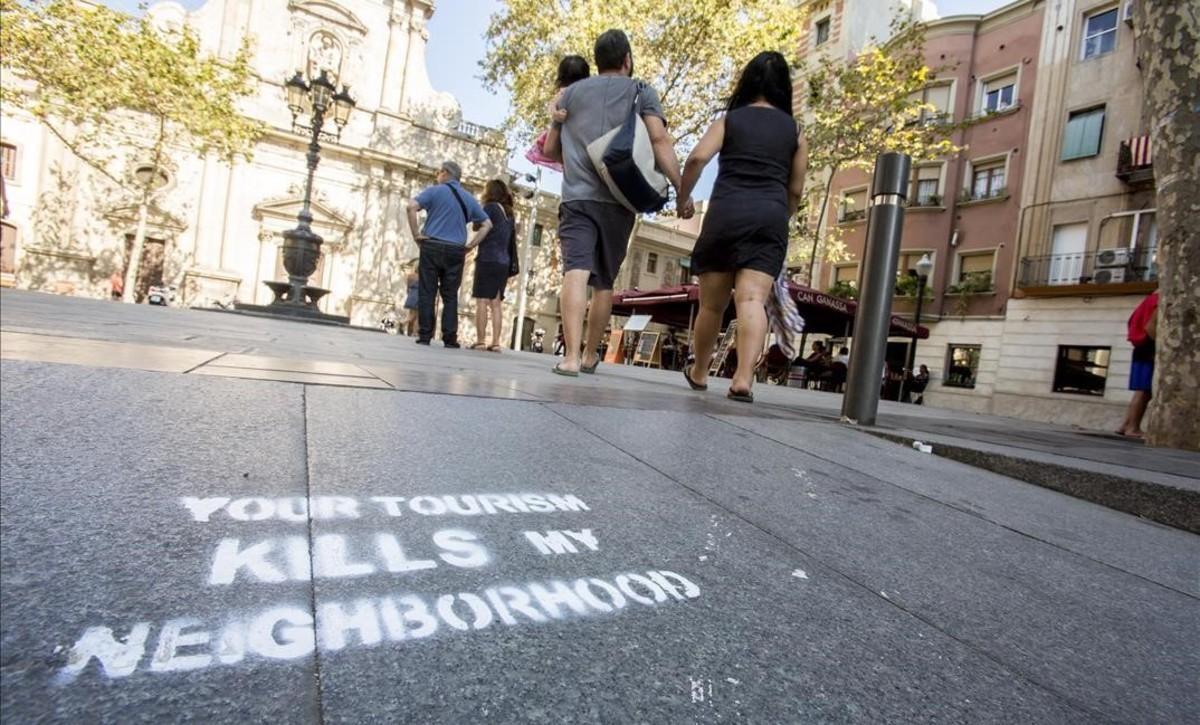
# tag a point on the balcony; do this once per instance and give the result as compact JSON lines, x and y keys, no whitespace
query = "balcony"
{"x":1135,"y":162}
{"x":479,"y":132}
{"x":1101,"y":272}
{"x":984,"y":114}
{"x":971,"y":196}
{"x":849,"y":216}
{"x":930,"y":201}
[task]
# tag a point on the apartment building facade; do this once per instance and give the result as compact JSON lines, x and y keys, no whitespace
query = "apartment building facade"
{"x":1087,"y":235}
{"x":962,"y":211}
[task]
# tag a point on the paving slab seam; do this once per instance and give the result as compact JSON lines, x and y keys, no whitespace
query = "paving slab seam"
{"x":206,"y":362}
{"x":312,"y":584}
{"x":1017,"y":672}
{"x":973,"y":514}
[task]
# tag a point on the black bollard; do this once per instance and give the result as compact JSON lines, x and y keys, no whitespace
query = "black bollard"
{"x":877,"y":283}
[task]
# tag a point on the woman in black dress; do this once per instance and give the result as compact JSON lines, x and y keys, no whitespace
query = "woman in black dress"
{"x":492,"y":264}
{"x":743,"y":244}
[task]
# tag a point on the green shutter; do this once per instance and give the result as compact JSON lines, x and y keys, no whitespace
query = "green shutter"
{"x":1083,"y":133}
{"x":1093,"y":129}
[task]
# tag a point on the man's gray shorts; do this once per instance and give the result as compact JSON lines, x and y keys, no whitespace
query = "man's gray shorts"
{"x":594,"y":236}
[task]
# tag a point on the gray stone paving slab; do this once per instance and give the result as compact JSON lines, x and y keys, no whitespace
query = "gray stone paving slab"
{"x":770,"y":635}
{"x":448,"y":382}
{"x":286,"y":376}
{"x":1118,"y":645}
{"x":95,"y":464}
{"x":266,"y":362}
{"x":23,"y":346}
{"x":1161,"y":554}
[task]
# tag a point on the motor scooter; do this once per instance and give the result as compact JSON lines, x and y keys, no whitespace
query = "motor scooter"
{"x":160,"y":295}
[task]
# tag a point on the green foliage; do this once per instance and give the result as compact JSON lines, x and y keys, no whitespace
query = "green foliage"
{"x":972,"y":284}
{"x":690,"y":51}
{"x":843,"y":289}
{"x":907,"y":284}
{"x":101,"y":81}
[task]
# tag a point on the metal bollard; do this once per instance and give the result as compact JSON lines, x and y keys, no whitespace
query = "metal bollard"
{"x":877,"y":282}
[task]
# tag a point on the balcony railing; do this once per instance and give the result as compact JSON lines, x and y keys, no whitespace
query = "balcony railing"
{"x":971,"y":195}
{"x":476,"y":131}
{"x":932,"y":200}
{"x":1135,"y":161}
{"x":984,"y":113}
{"x":1103,"y":267}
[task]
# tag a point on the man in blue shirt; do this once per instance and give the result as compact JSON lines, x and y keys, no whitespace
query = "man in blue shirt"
{"x":449,"y":208}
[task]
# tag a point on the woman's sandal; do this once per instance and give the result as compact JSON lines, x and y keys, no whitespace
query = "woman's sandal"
{"x":590,"y":369}
{"x":741,"y":397}
{"x":494,"y":348}
{"x":557,"y":370}
{"x":687,"y":375}
{"x":479,"y":346}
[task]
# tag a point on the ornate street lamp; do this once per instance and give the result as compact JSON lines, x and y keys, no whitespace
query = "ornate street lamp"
{"x":302,"y":246}
{"x":923,"y":268}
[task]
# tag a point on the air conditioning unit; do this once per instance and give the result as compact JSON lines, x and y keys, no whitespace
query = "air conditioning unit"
{"x":1112,"y":276}
{"x":1113,"y":258}
{"x":1127,"y":13}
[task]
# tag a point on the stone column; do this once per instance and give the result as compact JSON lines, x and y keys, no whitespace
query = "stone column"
{"x":391,"y":94}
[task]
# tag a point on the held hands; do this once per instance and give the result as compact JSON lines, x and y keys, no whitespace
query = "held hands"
{"x":685,"y":209}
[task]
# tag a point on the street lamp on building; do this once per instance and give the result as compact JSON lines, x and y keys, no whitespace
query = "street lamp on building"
{"x":302,"y":246}
{"x":923,"y":268}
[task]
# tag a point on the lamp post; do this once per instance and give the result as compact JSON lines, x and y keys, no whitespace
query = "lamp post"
{"x":302,"y":246}
{"x":522,"y":296}
{"x":924,"y":267}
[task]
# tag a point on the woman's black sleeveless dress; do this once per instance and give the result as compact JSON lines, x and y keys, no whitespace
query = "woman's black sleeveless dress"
{"x":746,"y":225}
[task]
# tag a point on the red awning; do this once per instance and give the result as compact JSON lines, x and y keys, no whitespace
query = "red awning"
{"x":823,"y":314}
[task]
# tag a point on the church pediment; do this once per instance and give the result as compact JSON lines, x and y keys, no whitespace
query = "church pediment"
{"x":287,"y":209}
{"x":156,"y":219}
{"x":330,"y":12}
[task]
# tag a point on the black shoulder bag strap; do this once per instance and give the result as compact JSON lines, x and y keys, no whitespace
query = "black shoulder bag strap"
{"x":461,"y":205}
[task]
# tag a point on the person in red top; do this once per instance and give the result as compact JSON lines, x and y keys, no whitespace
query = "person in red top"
{"x":1143,"y":328}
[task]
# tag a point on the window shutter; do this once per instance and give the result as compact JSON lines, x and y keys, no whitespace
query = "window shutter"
{"x":635,"y":268}
{"x":939,"y":97}
{"x":1073,"y":138}
{"x":1092,"y":131}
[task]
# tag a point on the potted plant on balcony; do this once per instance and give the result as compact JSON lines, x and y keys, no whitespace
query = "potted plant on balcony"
{"x":844,"y":289}
{"x":968,"y":287}
{"x":907,"y":285}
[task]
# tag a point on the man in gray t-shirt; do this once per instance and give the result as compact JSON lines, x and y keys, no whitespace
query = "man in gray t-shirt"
{"x":593,"y":228}
{"x":594,"y":107}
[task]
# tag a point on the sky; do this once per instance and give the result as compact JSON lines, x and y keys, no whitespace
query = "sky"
{"x":456,"y":48}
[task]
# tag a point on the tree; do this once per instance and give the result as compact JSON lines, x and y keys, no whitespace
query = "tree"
{"x":121,"y":94}
{"x":859,"y":108}
{"x":1168,"y":33}
{"x":690,"y":51}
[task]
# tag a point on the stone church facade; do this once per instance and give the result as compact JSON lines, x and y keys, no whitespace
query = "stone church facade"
{"x":215,"y":229}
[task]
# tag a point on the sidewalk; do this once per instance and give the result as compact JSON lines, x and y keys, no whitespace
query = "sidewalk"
{"x":213,"y":517}
{"x":1162,"y":485}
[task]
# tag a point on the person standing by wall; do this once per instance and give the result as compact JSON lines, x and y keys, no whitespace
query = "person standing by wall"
{"x":444,"y":245}
{"x":492,"y":264}
{"x":593,"y":227}
{"x":412,"y":285}
{"x":743,"y":244}
{"x":1143,"y":329}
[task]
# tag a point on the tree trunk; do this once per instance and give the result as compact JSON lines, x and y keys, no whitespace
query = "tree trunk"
{"x":1167,"y":50}
{"x":135,"y":251}
{"x":820,"y":235}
